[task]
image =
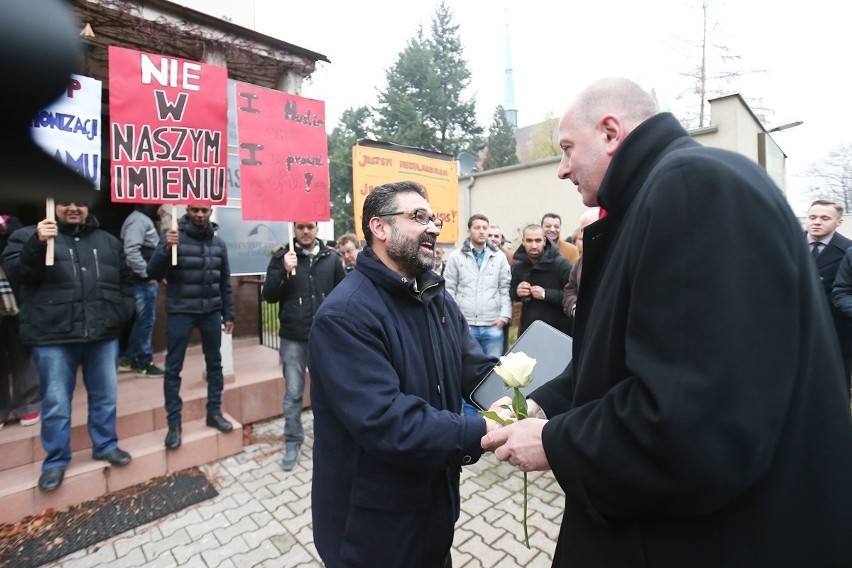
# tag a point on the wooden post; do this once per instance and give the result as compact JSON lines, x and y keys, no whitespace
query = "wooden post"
{"x":293,"y":243}
{"x":174,"y":228}
{"x":50,"y":207}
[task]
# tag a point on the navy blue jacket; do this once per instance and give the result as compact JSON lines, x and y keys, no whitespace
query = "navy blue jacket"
{"x":201,"y":281}
{"x":87,"y":295}
{"x":388,"y":369}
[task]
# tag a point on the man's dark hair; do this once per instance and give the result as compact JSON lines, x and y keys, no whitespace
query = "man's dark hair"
{"x":551,"y":215}
{"x":477,"y":217}
{"x":383,"y":200}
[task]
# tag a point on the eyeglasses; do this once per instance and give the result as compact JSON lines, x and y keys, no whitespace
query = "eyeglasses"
{"x":420,"y":215}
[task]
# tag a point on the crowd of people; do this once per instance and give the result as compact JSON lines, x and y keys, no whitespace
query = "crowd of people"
{"x":704,"y":419}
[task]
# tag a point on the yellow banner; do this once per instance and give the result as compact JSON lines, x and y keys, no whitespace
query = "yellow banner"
{"x":372,"y":167}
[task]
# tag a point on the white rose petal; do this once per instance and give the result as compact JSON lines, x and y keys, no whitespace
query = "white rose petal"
{"x":515,"y":369}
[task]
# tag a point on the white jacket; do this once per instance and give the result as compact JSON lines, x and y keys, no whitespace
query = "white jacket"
{"x":482,"y":295}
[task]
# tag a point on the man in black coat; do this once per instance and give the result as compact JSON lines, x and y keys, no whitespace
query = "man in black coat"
{"x":538,"y":280}
{"x":824,"y":217}
{"x":72,"y":312}
{"x":298,"y":280}
{"x":702,"y":421}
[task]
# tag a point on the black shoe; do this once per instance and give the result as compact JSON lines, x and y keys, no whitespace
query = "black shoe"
{"x":218,"y":421}
{"x":173,"y":438}
{"x":115,"y":457}
{"x":51,"y":479}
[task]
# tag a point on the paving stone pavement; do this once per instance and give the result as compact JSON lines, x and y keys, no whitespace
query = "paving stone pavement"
{"x":262,"y":517}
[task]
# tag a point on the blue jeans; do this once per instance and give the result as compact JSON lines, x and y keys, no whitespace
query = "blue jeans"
{"x":57,"y":368}
{"x":139,"y":352}
{"x":490,"y":338}
{"x":178,"y":331}
{"x":294,"y":360}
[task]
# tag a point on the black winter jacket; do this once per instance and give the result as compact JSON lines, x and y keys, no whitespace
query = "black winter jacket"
{"x":301,"y":295}
{"x":551,"y":272}
{"x":87,"y":295}
{"x":201,"y":281}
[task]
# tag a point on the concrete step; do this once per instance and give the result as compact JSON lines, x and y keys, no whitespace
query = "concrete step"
{"x":252,"y":393}
{"x":87,"y":478}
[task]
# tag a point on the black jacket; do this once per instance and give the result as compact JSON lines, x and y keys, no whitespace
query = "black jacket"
{"x":828,"y":265}
{"x":300,"y":296}
{"x":87,"y":295}
{"x":707,"y":424}
{"x":201,"y":281}
{"x":551,"y":272}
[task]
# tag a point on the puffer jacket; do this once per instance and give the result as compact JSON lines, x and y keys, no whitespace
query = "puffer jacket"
{"x":482,"y":294}
{"x":201,"y":281}
{"x":87,"y":295}
{"x":300,"y":295}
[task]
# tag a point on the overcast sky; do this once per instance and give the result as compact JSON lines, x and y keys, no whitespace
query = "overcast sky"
{"x":557,"y":48}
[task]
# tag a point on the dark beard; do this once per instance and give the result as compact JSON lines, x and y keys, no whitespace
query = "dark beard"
{"x":407,"y":254}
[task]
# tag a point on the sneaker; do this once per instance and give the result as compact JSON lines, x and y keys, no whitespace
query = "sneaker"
{"x":291,"y":456}
{"x":124,"y":366}
{"x":30,"y":419}
{"x":150,"y":370}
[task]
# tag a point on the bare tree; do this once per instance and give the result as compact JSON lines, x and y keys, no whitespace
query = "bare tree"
{"x":831,"y":177}
{"x":544,"y":141}
{"x":713,"y":71}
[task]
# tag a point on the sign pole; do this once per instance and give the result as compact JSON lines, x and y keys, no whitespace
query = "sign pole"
{"x":50,"y":208}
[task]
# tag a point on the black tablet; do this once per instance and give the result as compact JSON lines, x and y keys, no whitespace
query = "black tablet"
{"x":547,"y":345}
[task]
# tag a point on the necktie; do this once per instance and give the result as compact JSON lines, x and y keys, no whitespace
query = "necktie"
{"x":815,"y":251}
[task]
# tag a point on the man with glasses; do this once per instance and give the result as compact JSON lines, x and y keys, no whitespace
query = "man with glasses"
{"x":72,"y":313}
{"x":198,"y":295}
{"x":390,"y":357}
{"x":298,"y":280}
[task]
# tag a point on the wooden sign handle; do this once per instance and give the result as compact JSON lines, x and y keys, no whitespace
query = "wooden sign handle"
{"x":50,"y":209}
{"x":174,"y":228}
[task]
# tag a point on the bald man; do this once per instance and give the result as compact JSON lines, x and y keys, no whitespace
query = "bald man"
{"x":703,"y":420}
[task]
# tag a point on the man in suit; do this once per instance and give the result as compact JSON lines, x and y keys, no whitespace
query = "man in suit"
{"x":828,"y":247}
{"x":702,"y":420}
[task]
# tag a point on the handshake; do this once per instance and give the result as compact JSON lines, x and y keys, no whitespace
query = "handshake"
{"x":518,"y":442}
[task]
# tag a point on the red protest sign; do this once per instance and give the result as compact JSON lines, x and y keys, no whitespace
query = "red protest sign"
{"x":169,"y":129}
{"x":283,"y":156}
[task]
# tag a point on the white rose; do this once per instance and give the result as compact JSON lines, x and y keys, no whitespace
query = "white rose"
{"x":515,"y":369}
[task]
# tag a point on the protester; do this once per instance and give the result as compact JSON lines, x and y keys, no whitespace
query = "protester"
{"x":391,"y":355}
{"x":198,"y":296}
{"x":298,"y":280}
{"x":348,"y":248}
{"x":496,"y":236}
{"x":538,"y":280}
{"x":19,"y":390}
{"x":140,"y":237}
{"x":477,"y":276}
{"x":72,"y":313}
{"x":569,"y":299}
{"x":702,"y":421}
{"x":551,"y":223}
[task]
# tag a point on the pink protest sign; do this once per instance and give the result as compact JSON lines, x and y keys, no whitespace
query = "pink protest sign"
{"x":283,"y":156}
{"x":169,"y":129}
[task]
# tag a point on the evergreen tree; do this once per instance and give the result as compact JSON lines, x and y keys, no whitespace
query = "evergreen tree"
{"x":354,"y":124}
{"x":423,"y":103}
{"x":501,"y":148}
